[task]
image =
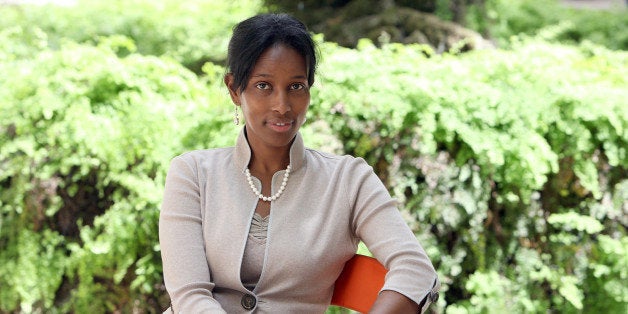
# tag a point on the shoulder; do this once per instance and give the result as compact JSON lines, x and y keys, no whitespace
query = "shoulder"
{"x":201,"y":154}
{"x":343,"y":163}
{"x":203,"y":158}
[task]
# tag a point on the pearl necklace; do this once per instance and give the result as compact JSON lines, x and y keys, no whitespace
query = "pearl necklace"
{"x":259,"y":194}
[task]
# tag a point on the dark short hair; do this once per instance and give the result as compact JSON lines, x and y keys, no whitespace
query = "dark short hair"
{"x":254,"y":35}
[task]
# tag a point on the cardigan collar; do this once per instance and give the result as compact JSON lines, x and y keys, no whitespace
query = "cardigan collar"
{"x":243,"y":152}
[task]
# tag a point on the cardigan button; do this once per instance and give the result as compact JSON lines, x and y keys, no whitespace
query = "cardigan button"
{"x":248,"y":302}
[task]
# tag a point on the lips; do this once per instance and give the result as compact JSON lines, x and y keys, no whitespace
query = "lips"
{"x":280,"y":125}
{"x":280,"y":122}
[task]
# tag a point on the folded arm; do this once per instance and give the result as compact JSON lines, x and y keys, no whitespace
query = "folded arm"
{"x":185,"y":268}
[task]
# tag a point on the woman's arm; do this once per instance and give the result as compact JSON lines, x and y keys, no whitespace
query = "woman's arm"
{"x":186,"y":274}
{"x":394,"y":302}
{"x":411,"y":281}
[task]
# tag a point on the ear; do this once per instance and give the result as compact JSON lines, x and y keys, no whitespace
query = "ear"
{"x":235,"y":96}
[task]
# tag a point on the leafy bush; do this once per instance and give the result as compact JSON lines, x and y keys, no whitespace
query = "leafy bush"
{"x":507,"y":161}
{"x":87,"y":137}
{"x":503,"y":19}
{"x":510,"y":165}
{"x":191,"y":32}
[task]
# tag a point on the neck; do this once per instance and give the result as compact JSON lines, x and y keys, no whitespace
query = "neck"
{"x":268,"y":161}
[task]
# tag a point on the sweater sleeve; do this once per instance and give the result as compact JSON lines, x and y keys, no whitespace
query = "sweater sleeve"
{"x":379,"y":224}
{"x":185,"y":267}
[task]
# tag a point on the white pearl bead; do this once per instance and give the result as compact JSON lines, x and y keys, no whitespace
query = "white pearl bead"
{"x":259,"y":195}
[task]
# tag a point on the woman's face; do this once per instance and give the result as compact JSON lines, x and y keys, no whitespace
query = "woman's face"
{"x":275,"y":99}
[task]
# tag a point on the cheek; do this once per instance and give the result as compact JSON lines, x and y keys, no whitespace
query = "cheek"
{"x":303,"y":100}
{"x":247,"y":103}
{"x":307,"y":105}
{"x":251,"y":108}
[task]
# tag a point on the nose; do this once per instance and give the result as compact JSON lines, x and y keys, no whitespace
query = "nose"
{"x":281,"y":103}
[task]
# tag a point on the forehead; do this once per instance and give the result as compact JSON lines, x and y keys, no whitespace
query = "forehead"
{"x":280,"y":58}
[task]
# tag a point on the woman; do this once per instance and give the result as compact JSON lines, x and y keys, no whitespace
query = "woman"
{"x":266,"y":226}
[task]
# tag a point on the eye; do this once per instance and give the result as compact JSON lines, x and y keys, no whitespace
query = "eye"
{"x":297,"y":86}
{"x":262,"y":85}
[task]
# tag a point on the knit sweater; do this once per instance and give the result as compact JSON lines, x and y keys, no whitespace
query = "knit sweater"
{"x":329,"y":204}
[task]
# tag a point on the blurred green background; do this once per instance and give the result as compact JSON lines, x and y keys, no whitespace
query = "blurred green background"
{"x":500,"y":126}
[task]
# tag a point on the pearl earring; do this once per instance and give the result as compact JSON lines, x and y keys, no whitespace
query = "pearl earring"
{"x":236,"y":116}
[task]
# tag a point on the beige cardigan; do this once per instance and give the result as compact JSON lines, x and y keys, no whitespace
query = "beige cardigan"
{"x":329,"y":205}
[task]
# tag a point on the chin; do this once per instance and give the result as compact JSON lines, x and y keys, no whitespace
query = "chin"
{"x":283,"y":140}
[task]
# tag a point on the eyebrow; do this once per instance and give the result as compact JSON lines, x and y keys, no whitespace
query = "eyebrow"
{"x":268,"y":75}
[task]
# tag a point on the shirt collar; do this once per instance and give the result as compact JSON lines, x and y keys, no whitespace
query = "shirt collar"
{"x":243,"y":152}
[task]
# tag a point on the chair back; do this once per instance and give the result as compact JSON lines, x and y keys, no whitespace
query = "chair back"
{"x":359,"y":283}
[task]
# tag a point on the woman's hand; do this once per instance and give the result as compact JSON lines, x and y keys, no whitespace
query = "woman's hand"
{"x":394,"y":302}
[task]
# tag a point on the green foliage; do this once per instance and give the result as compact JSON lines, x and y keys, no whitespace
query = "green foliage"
{"x":487,"y":288}
{"x":33,"y":271}
{"x":502,"y":19}
{"x":506,"y":159}
{"x":87,"y":137}
{"x":191,"y":32}
{"x":510,"y":165}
